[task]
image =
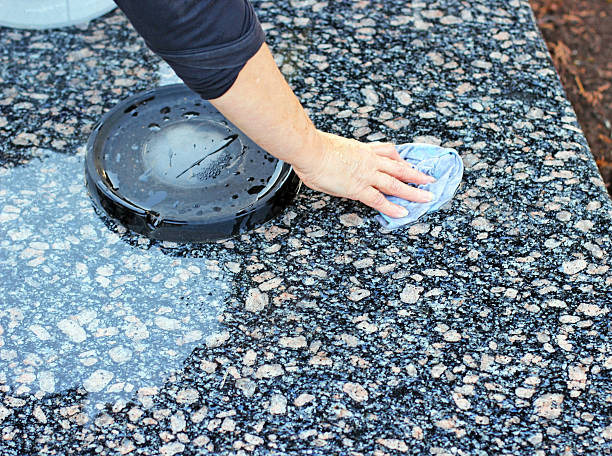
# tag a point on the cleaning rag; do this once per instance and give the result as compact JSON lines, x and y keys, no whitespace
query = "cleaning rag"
{"x":443,"y":164}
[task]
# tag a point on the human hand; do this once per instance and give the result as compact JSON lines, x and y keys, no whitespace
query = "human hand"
{"x":263,"y":106}
{"x":364,"y":172}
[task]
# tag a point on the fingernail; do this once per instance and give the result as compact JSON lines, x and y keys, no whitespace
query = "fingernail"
{"x":430,"y":179}
{"x":430,"y":197}
{"x":403,"y":212}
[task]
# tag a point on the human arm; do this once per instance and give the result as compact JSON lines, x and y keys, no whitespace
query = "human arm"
{"x":263,"y":106}
{"x":216,"y":47}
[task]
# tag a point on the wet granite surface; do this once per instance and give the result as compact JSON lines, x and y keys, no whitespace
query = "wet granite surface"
{"x":482,"y":330}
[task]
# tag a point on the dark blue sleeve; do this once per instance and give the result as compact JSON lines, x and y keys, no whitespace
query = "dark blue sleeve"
{"x":206,"y":42}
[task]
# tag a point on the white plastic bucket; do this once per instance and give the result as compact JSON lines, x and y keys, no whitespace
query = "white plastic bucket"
{"x":42,"y":14}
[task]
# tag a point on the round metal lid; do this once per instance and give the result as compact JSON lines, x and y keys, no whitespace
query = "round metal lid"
{"x":167,"y":164}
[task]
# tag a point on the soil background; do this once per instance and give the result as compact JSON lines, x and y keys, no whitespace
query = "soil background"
{"x":579,"y":37}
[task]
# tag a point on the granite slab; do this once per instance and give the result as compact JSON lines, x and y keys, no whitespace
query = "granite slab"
{"x":482,"y":330}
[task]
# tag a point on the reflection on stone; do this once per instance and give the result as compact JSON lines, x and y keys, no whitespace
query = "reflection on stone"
{"x":118,"y":319}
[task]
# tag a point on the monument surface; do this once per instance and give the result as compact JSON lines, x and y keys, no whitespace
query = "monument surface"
{"x":481,"y":330}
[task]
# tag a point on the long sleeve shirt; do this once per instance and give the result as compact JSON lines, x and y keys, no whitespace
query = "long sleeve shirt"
{"x":206,"y":42}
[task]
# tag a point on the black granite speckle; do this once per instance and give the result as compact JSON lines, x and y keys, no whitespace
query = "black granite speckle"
{"x":481,"y":330}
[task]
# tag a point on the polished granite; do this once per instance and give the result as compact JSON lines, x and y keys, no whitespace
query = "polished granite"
{"x":481,"y":330}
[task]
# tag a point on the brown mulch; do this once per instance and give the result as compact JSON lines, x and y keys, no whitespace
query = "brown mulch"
{"x":579,"y":37}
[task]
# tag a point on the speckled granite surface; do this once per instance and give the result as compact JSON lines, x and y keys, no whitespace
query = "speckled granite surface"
{"x":483,"y":330}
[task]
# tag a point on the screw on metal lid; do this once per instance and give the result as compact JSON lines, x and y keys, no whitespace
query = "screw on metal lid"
{"x":167,"y":164}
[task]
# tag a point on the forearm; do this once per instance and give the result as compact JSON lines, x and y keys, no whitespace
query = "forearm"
{"x":215,"y":46}
{"x":263,"y":106}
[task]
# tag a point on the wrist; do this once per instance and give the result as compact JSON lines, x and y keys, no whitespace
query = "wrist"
{"x":310,"y":151}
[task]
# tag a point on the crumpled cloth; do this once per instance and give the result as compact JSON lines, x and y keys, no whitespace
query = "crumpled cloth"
{"x":443,"y":164}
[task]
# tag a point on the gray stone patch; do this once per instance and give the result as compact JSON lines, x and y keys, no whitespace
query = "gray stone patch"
{"x":106,"y":336}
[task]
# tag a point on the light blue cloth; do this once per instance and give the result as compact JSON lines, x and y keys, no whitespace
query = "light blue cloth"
{"x":443,"y":164}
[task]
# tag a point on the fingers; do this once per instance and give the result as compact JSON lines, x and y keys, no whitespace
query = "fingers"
{"x":396,"y":166}
{"x":367,"y":172}
{"x":404,"y":172}
{"x":386,"y":150}
{"x":391,"y":186}
{"x":376,"y":200}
